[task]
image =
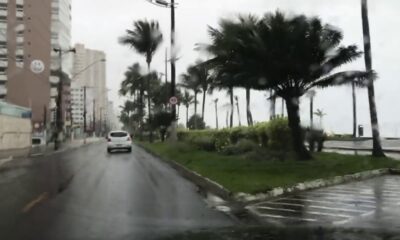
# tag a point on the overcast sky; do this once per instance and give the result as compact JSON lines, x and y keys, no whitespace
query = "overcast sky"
{"x":99,"y":23}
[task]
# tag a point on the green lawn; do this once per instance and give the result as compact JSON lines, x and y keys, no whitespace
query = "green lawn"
{"x":243,"y":175}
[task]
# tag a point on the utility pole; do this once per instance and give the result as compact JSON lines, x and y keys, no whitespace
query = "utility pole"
{"x":59,"y":121}
{"x":173,"y":71}
{"x":101,"y":122}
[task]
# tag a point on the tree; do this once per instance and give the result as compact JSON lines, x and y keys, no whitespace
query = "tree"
{"x":187,"y":100}
{"x":377,"y":150}
{"x":145,"y":38}
{"x":289,"y":56}
{"x":161,"y":122}
{"x":189,"y":80}
{"x":320,"y":113}
{"x":200,"y":124}
{"x":216,"y":112}
{"x":238,"y":110}
{"x":134,"y":83}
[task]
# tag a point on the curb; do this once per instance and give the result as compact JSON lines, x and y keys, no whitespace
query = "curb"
{"x":194,"y":177}
{"x":361,"y":149}
{"x":310,"y":185}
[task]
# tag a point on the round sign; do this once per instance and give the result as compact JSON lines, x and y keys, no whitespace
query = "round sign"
{"x":37,"y":66}
{"x":173,"y":100}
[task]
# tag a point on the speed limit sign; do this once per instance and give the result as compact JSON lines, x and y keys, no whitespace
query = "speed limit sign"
{"x":173,"y":100}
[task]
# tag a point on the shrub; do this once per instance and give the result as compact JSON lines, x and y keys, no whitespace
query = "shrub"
{"x":315,"y":136}
{"x":242,"y":146}
{"x":261,"y":132}
{"x":236,"y":134}
{"x":278,"y":133}
{"x":204,"y":143}
{"x":221,"y":139}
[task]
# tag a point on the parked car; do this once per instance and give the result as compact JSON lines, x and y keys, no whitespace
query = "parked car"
{"x":119,"y":140}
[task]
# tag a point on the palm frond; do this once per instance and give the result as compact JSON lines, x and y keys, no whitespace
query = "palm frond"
{"x":360,"y":78}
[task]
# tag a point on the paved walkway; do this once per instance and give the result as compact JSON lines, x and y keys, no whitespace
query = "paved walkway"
{"x":374,"y":203}
{"x":388,"y":145}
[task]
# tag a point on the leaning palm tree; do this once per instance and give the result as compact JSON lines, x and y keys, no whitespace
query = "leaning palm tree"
{"x":291,"y":55}
{"x":145,"y":38}
{"x":187,"y":100}
{"x":377,"y":150}
{"x":238,"y":110}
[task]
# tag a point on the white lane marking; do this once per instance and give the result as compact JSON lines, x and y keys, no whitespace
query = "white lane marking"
{"x":365,"y":192}
{"x":342,"y":197}
{"x":315,"y":206}
{"x":357,"y":195}
{"x":331,"y":202}
{"x":284,"y":217}
{"x":307,"y":212}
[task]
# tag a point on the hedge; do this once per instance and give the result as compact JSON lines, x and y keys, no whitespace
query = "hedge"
{"x":274,"y":134}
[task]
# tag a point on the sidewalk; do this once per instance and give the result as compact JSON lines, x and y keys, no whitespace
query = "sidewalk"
{"x":11,"y":155}
{"x":389,"y":146}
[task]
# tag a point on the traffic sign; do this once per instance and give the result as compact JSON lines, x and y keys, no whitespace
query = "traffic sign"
{"x":173,"y":100}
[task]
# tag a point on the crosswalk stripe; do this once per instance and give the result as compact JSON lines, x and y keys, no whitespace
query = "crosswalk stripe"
{"x":331,"y":202}
{"x":315,"y":206}
{"x":308,"y":212}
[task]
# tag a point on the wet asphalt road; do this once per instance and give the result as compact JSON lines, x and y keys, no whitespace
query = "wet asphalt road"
{"x":370,"y":204}
{"x":89,"y":194}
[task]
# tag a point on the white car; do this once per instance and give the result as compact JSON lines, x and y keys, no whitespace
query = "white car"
{"x":119,"y":140}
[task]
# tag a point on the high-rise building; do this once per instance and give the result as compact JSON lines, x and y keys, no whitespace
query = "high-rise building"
{"x":89,"y":70}
{"x":29,"y":30}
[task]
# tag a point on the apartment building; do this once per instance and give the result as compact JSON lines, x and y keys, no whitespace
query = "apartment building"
{"x":29,"y":30}
{"x":89,"y":70}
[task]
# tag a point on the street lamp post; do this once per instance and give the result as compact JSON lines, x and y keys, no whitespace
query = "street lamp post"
{"x":171,"y":5}
{"x":59,"y":121}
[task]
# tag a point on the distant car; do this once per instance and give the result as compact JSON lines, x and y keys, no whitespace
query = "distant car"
{"x":119,"y":140}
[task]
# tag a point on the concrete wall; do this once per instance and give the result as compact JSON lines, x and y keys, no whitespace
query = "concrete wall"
{"x":15,"y":133}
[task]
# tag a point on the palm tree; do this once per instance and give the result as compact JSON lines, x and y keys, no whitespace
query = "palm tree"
{"x":377,"y":147}
{"x":187,"y":100}
{"x":238,"y":111}
{"x":189,"y":80}
{"x":320,"y":113}
{"x":291,"y":56}
{"x":134,"y":83}
{"x":145,"y":38}
{"x":311,"y":94}
{"x":216,"y":112}
{"x":248,"y":110}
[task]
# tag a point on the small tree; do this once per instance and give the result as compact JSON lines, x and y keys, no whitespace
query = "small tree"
{"x":196,"y":123}
{"x":161,"y":122}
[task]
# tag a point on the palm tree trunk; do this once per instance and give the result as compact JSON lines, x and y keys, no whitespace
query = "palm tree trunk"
{"x":248,"y":111}
{"x":227,"y":119}
{"x":353,"y":90}
{"x":283,"y":107}
{"x":311,"y":112}
{"x":179,"y":108}
{"x":187,"y":116}
{"x":377,"y":150}
{"x":141,"y":106}
{"x":232,"y":107}
{"x":195,"y":110}
{"x":216,"y":115}
{"x":292,"y":106}
{"x":149,"y":105}
{"x":204,"y":104}
{"x":272,"y":105}
{"x":238,"y":112}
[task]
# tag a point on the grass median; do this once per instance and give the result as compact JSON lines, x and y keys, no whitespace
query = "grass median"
{"x":239,"y":174}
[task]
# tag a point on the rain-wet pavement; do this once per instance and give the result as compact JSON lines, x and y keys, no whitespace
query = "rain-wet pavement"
{"x":88,"y":194}
{"x":370,"y":204}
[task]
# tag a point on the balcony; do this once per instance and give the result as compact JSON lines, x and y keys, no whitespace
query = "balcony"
{"x":3,"y":77}
{"x":3,"y":90}
{"x":3,"y":12}
{"x":3,"y":64}
{"x":20,"y":40}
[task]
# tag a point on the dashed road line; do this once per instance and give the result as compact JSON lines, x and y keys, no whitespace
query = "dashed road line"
{"x":35,"y":202}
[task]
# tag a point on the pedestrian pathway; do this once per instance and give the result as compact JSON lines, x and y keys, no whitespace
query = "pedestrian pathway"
{"x":354,"y":203}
